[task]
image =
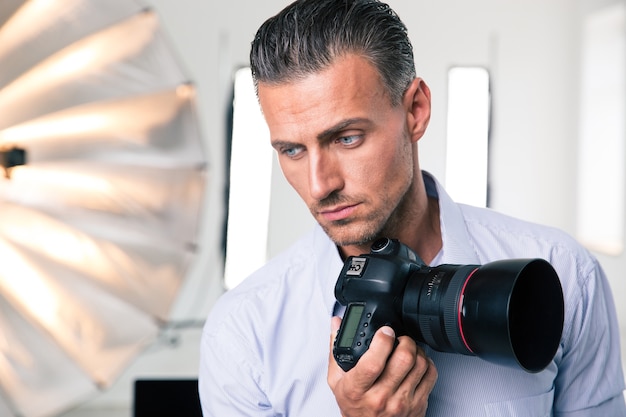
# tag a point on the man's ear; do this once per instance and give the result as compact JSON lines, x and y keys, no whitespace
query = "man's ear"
{"x":416,"y":101}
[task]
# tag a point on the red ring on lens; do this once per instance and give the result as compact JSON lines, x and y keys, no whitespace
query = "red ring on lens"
{"x":461,"y":297}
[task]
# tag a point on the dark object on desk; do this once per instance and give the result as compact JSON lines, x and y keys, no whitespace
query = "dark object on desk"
{"x":166,"y":398}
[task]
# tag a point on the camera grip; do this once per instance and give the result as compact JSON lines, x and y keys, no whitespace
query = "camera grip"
{"x":355,"y":335}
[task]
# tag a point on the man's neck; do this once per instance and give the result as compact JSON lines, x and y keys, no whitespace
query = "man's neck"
{"x":417,"y":225}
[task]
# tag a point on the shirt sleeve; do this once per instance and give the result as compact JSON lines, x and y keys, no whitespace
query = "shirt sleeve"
{"x":590,"y":379}
{"x":229,"y":376}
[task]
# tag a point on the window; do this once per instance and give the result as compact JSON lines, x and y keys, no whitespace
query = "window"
{"x":468,"y":135}
{"x":250,"y":184}
{"x":600,"y":220}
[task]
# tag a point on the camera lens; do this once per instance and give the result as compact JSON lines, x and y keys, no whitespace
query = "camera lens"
{"x":514,"y":312}
{"x":508,"y":312}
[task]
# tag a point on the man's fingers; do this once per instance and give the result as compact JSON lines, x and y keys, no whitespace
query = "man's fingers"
{"x":424,"y":383}
{"x":372,"y":364}
{"x":427,"y":380}
{"x":334,"y":370}
{"x":400,"y":364}
{"x":410,"y":376}
{"x":335,"y":323}
{"x":392,"y":377}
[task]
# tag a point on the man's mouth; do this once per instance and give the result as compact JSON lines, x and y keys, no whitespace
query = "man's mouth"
{"x":337,"y":213}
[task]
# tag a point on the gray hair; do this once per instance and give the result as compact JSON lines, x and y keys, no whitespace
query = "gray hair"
{"x":308,"y":35}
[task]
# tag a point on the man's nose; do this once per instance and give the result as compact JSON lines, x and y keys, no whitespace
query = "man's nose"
{"x":324,"y":175}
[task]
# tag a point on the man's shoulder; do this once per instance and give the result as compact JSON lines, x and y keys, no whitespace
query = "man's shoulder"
{"x":270,"y":284}
{"x":504,"y":236}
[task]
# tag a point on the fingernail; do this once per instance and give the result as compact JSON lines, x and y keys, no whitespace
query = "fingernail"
{"x":388,"y":331}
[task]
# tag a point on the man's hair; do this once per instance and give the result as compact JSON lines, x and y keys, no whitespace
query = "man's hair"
{"x":308,"y":35}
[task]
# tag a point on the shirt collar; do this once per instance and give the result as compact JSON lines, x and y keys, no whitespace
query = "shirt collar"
{"x":457,"y":245}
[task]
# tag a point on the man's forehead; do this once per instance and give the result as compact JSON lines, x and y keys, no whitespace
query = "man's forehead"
{"x":348,"y":90}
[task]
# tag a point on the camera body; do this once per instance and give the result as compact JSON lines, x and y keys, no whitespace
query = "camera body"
{"x":481,"y":310}
{"x":371,"y":286}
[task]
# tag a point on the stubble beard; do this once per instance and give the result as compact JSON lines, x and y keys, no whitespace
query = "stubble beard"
{"x":340,"y":233}
{"x":362,"y":232}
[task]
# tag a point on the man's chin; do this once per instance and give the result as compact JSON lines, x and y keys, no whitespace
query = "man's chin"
{"x":349,"y":235}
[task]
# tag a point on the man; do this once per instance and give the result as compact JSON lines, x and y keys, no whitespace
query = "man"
{"x":337,"y":85}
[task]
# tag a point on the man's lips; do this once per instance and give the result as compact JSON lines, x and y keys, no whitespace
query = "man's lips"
{"x":337,"y":213}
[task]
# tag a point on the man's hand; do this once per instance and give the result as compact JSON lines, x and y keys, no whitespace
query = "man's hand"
{"x":384,"y":382}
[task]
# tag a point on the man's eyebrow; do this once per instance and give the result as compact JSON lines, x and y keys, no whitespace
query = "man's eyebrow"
{"x":342,"y":125}
{"x":323,"y":136}
{"x":283,"y":144}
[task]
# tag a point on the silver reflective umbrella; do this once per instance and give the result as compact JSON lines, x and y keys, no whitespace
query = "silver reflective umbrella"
{"x":100,"y":198}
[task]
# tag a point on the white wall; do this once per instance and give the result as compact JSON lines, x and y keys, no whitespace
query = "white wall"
{"x":531,"y":48}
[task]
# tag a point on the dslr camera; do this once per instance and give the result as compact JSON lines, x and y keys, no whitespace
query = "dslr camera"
{"x":508,"y":312}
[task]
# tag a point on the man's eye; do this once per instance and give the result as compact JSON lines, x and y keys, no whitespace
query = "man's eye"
{"x":349,"y":140}
{"x":292,"y":152}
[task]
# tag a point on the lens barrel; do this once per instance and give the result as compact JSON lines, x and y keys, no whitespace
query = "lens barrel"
{"x":508,"y":312}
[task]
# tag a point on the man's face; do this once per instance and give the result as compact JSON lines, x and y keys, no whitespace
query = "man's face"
{"x":343,"y":147}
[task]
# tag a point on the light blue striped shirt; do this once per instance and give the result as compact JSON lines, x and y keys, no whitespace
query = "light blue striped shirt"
{"x":265,"y":344}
